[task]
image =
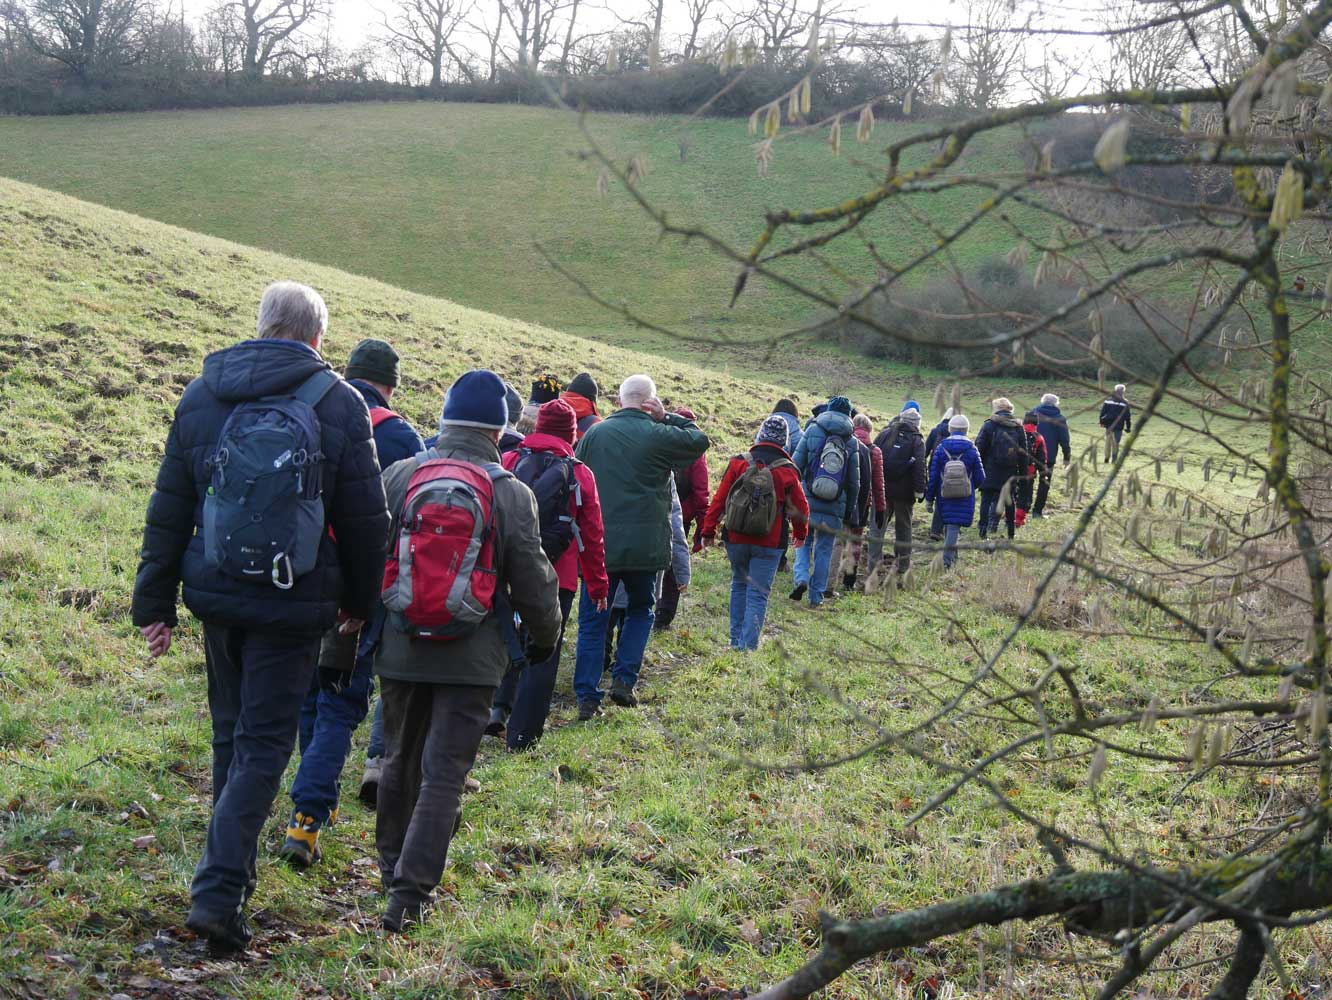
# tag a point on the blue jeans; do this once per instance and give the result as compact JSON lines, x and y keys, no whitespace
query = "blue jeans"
{"x":753,"y":568}
{"x":256,"y":683}
{"x":951,"y":532}
{"x":641,"y":589}
{"x":990,"y":514}
{"x":526,"y":693}
{"x":328,"y":720}
{"x":818,"y":545}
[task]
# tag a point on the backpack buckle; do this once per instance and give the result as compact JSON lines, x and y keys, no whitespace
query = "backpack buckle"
{"x":281,"y":563}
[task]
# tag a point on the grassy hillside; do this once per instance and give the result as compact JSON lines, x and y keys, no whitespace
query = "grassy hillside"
{"x":638,"y":857}
{"x":452,"y":200}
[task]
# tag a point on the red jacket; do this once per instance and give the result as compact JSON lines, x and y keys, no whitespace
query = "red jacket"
{"x":879,"y":497}
{"x":694,"y":495}
{"x":1041,"y":463}
{"x":584,"y":409}
{"x":591,"y":561}
{"x":790,"y":499}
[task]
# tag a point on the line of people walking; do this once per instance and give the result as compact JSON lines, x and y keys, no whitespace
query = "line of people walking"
{"x":323,"y":544}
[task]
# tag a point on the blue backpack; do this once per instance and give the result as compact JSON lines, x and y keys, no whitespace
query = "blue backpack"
{"x":829,"y":471}
{"x":263,"y":515}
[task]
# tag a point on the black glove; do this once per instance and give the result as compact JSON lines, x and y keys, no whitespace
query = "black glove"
{"x":333,"y":680}
{"x":539,"y":654}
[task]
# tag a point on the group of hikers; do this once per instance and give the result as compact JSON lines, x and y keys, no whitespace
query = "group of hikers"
{"x":323,"y":543}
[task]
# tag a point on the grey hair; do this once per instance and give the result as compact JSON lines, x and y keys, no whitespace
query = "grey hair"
{"x":292,"y":311}
{"x":863,"y":421}
{"x":1049,"y":399}
{"x":636,"y":390}
{"x":1121,"y":387}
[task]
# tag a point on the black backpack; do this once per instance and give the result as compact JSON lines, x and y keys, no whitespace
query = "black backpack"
{"x":552,"y":481}
{"x":1009,"y":449}
{"x":899,"y":452}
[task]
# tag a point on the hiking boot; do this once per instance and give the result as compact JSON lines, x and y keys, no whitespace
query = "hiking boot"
{"x":623,"y":695}
{"x":400,"y":916}
{"x":799,"y":593}
{"x":831,"y":595}
{"x":369,"y":791}
{"x":301,"y":848}
{"x":499,"y":719}
{"x":849,"y":581}
{"x":588,"y":710}
{"x":226,"y":934}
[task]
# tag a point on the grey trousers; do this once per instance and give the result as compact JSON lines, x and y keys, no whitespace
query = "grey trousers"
{"x":899,"y":513}
{"x":432,"y":733}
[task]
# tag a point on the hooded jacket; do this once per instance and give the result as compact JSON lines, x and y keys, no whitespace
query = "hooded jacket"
{"x":584,"y":410}
{"x":1054,"y":429}
{"x":960,"y":511}
{"x":590,"y":561}
{"x":936,"y":435}
{"x":806,"y":458}
{"x":794,"y":431}
{"x":633,"y":458}
{"x":1002,"y":444}
{"x":1116,"y":415}
{"x":526,"y":579}
{"x":792,"y":505}
{"x":395,"y":438}
{"x":348,"y":574}
{"x":1038,"y":458}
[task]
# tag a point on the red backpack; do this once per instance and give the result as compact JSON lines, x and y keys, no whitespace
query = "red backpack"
{"x":440,"y":577}
{"x":378,"y":414}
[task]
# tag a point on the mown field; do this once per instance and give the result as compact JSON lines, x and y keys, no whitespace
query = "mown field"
{"x":453,"y":200}
{"x":644,"y":856}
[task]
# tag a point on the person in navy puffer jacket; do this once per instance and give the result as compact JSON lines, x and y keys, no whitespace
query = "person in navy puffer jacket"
{"x":956,"y":512}
{"x":1053,"y":427}
{"x":814,"y":558}
{"x":261,"y":642}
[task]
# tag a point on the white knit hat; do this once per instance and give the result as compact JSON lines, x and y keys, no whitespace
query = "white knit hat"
{"x":958,"y":424}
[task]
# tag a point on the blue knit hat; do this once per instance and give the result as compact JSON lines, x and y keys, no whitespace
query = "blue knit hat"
{"x":477,"y":399}
{"x":911,"y":404}
{"x":840,"y":404}
{"x":775,"y":431}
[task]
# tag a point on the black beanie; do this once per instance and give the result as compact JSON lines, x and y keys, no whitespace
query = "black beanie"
{"x":374,"y":361}
{"x":544,"y":389}
{"x":585,"y":386}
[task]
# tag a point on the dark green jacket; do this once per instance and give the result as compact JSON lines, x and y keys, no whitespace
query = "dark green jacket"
{"x":524,"y":574}
{"x":633,"y":458}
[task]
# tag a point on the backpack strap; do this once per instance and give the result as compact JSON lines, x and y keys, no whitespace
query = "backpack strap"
{"x":380,"y":414}
{"x":317,"y":386}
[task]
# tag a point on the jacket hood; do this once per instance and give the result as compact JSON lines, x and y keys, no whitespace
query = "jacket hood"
{"x":1005,"y":420}
{"x":768,"y":453}
{"x":833,"y":422}
{"x":471,"y":442}
{"x":1030,"y":427}
{"x":582,"y":406}
{"x":863,"y":435}
{"x":1048,"y":410}
{"x":371,"y":395}
{"x":256,"y":368}
{"x":791,"y":421}
{"x":550,"y":443}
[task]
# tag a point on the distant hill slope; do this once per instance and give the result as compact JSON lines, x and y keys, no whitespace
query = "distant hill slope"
{"x":451,"y":200}
{"x":105,"y":317}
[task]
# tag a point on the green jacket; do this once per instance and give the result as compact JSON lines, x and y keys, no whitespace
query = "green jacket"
{"x":524,"y":574}
{"x":633,"y":458}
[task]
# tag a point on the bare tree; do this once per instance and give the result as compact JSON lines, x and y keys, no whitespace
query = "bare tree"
{"x":532,"y":23}
{"x":779,"y":28}
{"x":1160,"y":56}
{"x":90,"y":37}
{"x":426,"y":29}
{"x":1052,"y":78}
{"x":987,"y":55}
{"x":1212,"y":582}
{"x":269,"y":27}
{"x":697,"y":13}
{"x":492,"y":31}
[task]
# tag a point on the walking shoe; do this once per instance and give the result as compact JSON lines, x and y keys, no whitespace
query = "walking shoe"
{"x":369,"y":791}
{"x":799,"y":592}
{"x":301,"y":848}
{"x":588,"y":710}
{"x":498,"y":721}
{"x":400,"y":916}
{"x":229,"y":933}
{"x":849,"y":581}
{"x":623,"y":695}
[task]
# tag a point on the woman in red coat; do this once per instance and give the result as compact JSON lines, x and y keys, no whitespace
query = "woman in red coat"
{"x":754,"y":557}
{"x":528,"y":692}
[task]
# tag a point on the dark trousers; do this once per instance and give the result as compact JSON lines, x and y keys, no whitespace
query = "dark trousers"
{"x":328,"y":720}
{"x":256,"y":684}
{"x":432,"y":733}
{"x":1042,"y":495}
{"x":900,"y":511}
{"x":526,"y":694}
{"x":936,"y":523}
{"x":1023,"y":492}
{"x":669,"y":604}
{"x":989,"y":515}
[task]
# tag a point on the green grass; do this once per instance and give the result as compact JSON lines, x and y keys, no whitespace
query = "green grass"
{"x":641,"y":856}
{"x":452,"y":200}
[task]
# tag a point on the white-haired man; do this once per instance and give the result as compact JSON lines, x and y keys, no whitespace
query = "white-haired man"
{"x":242,"y":521}
{"x":633,"y":453}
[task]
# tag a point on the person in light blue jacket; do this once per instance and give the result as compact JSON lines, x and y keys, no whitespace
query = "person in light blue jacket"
{"x":832,"y":489}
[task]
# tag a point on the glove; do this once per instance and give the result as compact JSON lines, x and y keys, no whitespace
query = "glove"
{"x":333,"y":680}
{"x":540,"y":654}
